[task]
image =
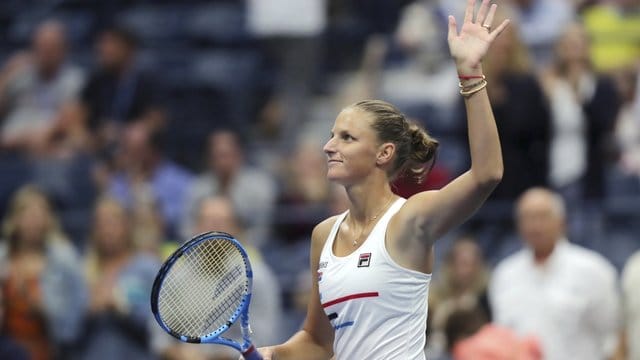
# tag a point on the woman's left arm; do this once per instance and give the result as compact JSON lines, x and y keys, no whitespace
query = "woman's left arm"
{"x":431,"y":214}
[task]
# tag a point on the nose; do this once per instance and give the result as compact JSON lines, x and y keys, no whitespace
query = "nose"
{"x":329,"y":147}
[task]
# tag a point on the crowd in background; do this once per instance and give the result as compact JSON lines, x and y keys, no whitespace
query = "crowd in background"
{"x":128,"y":126}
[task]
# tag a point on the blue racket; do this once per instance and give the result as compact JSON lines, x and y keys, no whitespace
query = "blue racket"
{"x":202,"y":289}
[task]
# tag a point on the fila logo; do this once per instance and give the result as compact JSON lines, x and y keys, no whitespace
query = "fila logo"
{"x":364,"y":260}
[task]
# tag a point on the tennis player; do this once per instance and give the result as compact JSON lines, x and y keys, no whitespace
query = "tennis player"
{"x":372,"y":264}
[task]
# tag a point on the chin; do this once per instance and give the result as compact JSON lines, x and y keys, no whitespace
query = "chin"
{"x":336,"y":177}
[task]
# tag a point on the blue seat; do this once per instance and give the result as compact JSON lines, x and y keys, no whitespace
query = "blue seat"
{"x":156,"y":24}
{"x":218,"y":24}
{"x":79,"y":25}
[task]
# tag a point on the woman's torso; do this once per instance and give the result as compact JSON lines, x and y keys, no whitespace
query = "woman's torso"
{"x":377,"y":308}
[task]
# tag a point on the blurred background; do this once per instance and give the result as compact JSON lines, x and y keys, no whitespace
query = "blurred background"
{"x":127,"y":126}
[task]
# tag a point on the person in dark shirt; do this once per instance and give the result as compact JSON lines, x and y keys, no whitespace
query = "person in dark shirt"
{"x":119,"y":91}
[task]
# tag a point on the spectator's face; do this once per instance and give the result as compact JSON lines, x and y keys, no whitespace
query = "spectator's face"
{"x":225,"y":155}
{"x":33,"y":221}
{"x":466,"y":262}
{"x":136,"y":148}
{"x":216,"y":214}
{"x":573,"y":46}
{"x":540,"y":221}
{"x":111,"y":229}
{"x":113,"y":52}
{"x":308,"y":161}
{"x":49,"y":47}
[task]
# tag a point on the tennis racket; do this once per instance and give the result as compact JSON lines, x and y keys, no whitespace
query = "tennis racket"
{"x":202,"y":289}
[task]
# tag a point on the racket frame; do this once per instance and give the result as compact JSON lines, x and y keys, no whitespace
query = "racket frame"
{"x":215,"y":337}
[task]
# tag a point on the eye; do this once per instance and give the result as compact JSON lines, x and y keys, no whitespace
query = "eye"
{"x":347,"y":137}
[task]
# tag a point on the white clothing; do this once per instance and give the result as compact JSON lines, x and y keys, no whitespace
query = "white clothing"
{"x":287,"y":17}
{"x":568,"y":152}
{"x":570,"y":303}
{"x":32,"y":103}
{"x":377,"y":308}
{"x":631,"y":300}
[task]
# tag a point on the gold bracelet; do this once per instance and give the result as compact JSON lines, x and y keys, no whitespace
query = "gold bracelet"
{"x":483,"y":78}
{"x":468,"y":92}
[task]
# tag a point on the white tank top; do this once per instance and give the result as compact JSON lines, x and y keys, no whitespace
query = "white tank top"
{"x":378,"y":308}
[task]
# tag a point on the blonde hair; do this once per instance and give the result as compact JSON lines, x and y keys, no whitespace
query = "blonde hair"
{"x":93,"y":265}
{"x":21,"y":199}
{"x":414,"y":146}
{"x":518,"y":58}
{"x":444,"y":288}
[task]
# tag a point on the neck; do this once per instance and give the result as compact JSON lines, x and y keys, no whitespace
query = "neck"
{"x":29,"y":247}
{"x":364,"y":206}
{"x":541,"y":256}
{"x":114,"y":259}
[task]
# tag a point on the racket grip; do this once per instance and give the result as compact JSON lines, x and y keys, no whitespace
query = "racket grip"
{"x":252,"y":354}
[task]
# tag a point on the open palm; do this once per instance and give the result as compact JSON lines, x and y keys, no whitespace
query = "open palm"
{"x":470,"y":45}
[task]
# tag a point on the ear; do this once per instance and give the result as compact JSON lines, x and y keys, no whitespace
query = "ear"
{"x":385,"y":153}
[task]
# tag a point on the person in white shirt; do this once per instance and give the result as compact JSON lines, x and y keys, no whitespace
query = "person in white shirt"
{"x":630,"y":344}
{"x":563,"y":294}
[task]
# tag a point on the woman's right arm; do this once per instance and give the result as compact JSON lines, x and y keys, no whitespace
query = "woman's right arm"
{"x":315,"y":340}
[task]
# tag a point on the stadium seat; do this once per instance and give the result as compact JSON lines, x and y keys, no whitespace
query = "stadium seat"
{"x":218,"y":24}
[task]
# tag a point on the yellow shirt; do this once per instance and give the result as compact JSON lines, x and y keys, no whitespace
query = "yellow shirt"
{"x":615,"y":37}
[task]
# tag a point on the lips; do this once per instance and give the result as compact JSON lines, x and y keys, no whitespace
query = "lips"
{"x":333,"y":161}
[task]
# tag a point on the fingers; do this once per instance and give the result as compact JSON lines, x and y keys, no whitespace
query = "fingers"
{"x":468,"y":13}
{"x":482,"y":12}
{"x":453,"y":28}
{"x":489,"y":19}
{"x":499,"y":29}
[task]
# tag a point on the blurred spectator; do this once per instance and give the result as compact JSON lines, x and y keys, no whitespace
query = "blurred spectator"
{"x":290,"y":33}
{"x":521,"y":113}
{"x":563,"y":294}
{"x":627,"y":130}
{"x":217,"y":213}
{"x":472,"y":338}
{"x":584,"y":107}
{"x":463,"y":278}
{"x":120,"y":281}
{"x":305,"y":192}
{"x":119,"y":91}
{"x":148,"y":229}
{"x":630,"y":345}
{"x":43,"y":291}
{"x":9,"y":348}
{"x":541,"y":23}
{"x":252,"y":191}
{"x":145,"y":174}
{"x":34,"y":87}
{"x":614,"y":29}
{"x":425,"y":72}
{"x":630,"y":348}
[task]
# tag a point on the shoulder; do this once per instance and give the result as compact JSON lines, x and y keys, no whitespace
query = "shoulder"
{"x":512,"y":265}
{"x":590,"y":262}
{"x":631,"y":271}
{"x":320,"y":234}
{"x":321,"y":231}
{"x":252,"y":175}
{"x":172,"y":171}
{"x":143,"y":266}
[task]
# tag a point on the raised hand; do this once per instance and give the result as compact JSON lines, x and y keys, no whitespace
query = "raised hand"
{"x":470,"y":45}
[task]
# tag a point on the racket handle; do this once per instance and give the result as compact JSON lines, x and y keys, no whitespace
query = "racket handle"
{"x":252,"y":354}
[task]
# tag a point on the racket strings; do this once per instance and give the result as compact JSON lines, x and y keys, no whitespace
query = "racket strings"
{"x":203,"y":289}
